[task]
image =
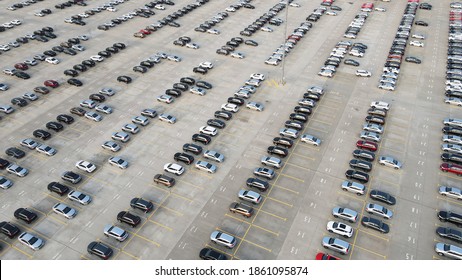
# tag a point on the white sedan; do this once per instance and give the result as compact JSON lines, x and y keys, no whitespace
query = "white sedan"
{"x":111,"y":146}
{"x":64,"y":210}
{"x":266,"y":29}
{"x":230,"y":107}
{"x":174,"y":168}
{"x":452,"y":148}
{"x":45,"y":149}
{"x":214,"y":156}
{"x":167,"y":118}
{"x":213,"y":31}
{"x":310,"y":139}
{"x":203,"y":165}
{"x":391,"y":162}
{"x":97,"y":58}
{"x":237,"y":55}
{"x":451,"y":192}
{"x":52,"y":60}
{"x":363,"y":73}
{"x":85,"y":166}
{"x":340,"y":229}
{"x":165,"y":98}
{"x":31,"y":241}
{"x":174,"y":58}
{"x":258,"y":76}
{"x":206,"y":64}
{"x":208,"y":130}
{"x":416,"y":43}
{"x":255,"y":106}
{"x":198,"y":91}
{"x":192,"y":46}
{"x":79,"y":197}
{"x":119,"y":162}
{"x":453,"y":101}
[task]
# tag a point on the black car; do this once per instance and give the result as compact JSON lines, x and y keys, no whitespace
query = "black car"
{"x":450,"y":234}
{"x":195,"y":149}
{"x":202,"y":138}
{"x":105,"y":54}
{"x":54,"y":126}
{"x":276,"y":150}
{"x":236,"y":100}
{"x":173,"y":92}
{"x":142,"y":204}
{"x":124,"y":79}
{"x":451,"y":217}
{"x":365,"y":155}
{"x":42,"y":134}
{"x":9,"y":229}
{"x":112,"y":49}
{"x":49,"y":53}
{"x":375,"y":119}
{"x":383,"y":197}
{"x":312,"y":95}
{"x":164,"y":180}
{"x":256,"y":183}
{"x":375,"y":224}
{"x":147,"y":63}
{"x":351,"y":62}
{"x":99,"y":249}
{"x":357,"y":175}
{"x":77,"y":111}
{"x":57,"y":49}
{"x":21,"y":102}
{"x":200,"y":70}
{"x":88,"y":62}
{"x":15,"y":152}
{"x":251,"y":43}
{"x":4,"y":163}
{"x":25,"y":214}
{"x":181,"y":86}
{"x":361,"y":165}
{"x":65,"y":118}
{"x":97,"y":97}
{"x":188,"y":80}
{"x":188,"y":159}
{"x":210,"y":254}
{"x":299,"y":117}
{"x":413,"y":59}
{"x":222,"y":51}
{"x":128,"y":218}
{"x":140,"y":69}
{"x":58,"y":188}
{"x":216,"y":123}
{"x":452,"y":130}
{"x":223,"y":115}
{"x":21,"y":75}
{"x":452,"y":158}
{"x":303,"y":109}
{"x":120,"y":46}
{"x":282,"y":141}
{"x":72,"y":177}
{"x":421,"y":23}
{"x":204,"y":84}
{"x":80,"y":67}
{"x":71,"y":72}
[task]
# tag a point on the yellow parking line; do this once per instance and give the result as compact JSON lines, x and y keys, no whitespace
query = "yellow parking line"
{"x":298,"y":166}
{"x":449,"y":175}
{"x":21,"y":251}
{"x":169,"y":209}
{"x":182,"y":197}
{"x":251,"y":224}
{"x":161,"y":225}
{"x":318,"y":129}
{"x":281,"y":202}
{"x":191,"y":184}
{"x":144,"y":238}
{"x":378,"y":236}
{"x":256,"y":245}
{"x":292,"y":177}
{"x":271,"y":214}
{"x":449,"y":200}
{"x":218,"y":250}
{"x":128,"y":254}
{"x":372,"y":252}
{"x":352,"y":196}
{"x":324,"y":122}
{"x":202,"y":173}
{"x":84,"y":257}
{"x":284,"y":188}
{"x":307,"y":146}
{"x":299,"y":155}
{"x":436,"y":258}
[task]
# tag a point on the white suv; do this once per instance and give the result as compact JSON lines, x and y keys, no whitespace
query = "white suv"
{"x":380,"y":105}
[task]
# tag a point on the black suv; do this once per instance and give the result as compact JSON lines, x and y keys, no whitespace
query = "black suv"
{"x":210,"y":254}
{"x":164,"y":180}
{"x":223,"y":115}
{"x":9,"y":229}
{"x":236,"y":100}
{"x":446,"y":216}
{"x":357,"y":175}
{"x":195,"y":149}
{"x":65,"y":118}
{"x":72,"y":177}
{"x":282,"y":141}
{"x":204,"y":84}
{"x":216,"y":123}
{"x":383,"y":197}
{"x":58,"y":188}
{"x":54,"y":126}
{"x":25,"y":214}
{"x":188,"y":159}
{"x":450,"y":233}
{"x":97,"y":97}
{"x":361,"y":165}
{"x":259,"y":184}
{"x":299,"y":117}
{"x":202,"y":138}
{"x":42,"y":134}
{"x":366,"y":155}
{"x":101,"y":250}
{"x":275,"y":150}
{"x":144,"y":205}
{"x":15,"y":152}
{"x":128,"y":218}
{"x":188,"y":80}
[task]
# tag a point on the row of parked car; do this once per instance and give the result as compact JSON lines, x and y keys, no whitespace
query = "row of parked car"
{"x":454,"y":59}
{"x":207,"y":25}
{"x":78,"y":18}
{"x":364,"y":157}
{"x":22,"y":4}
{"x":42,"y":35}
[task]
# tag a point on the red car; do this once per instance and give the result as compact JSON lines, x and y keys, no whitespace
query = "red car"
{"x":145,"y":32}
{"x":325,"y":257}
{"x":21,"y":66}
{"x":367,"y":145}
{"x":453,"y":168}
{"x":294,"y":37}
{"x":51,"y":83}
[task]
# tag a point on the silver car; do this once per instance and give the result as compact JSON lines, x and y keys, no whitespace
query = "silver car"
{"x":79,"y":197}
{"x":107,"y":91}
{"x":203,"y":165}
{"x":30,"y":96}
{"x":47,"y":150}
{"x":213,"y":155}
{"x":336,"y":244}
{"x":451,"y":192}
{"x":111,"y":146}
{"x":17,"y":170}
{"x":64,"y":210}
{"x":121,"y":136}
{"x":198,"y":90}
{"x":367,"y":135}
{"x":448,"y":250}
{"x":373,"y":127}
{"x":379,"y":210}
{"x":5,"y":183}
{"x":104,"y":109}
{"x":271,"y":161}
{"x":167,"y":118}
{"x":140,"y":120}
{"x":251,"y":196}
{"x":391,"y":162}
{"x":345,"y":214}
{"x":31,"y":241}
{"x":93,"y":116}
{"x":310,"y":139}
{"x":289,"y":132}
{"x":115,"y":232}
{"x":255,"y":106}
{"x":353,"y":187}
{"x":454,"y":139}
{"x":253,"y":82}
{"x":452,"y":148}
{"x":223,"y":239}
{"x":29,"y":143}
{"x":119,"y":162}
{"x":132,"y":128}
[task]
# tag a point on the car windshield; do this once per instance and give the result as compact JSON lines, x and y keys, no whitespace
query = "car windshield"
{"x":33,"y":240}
{"x":81,"y":196}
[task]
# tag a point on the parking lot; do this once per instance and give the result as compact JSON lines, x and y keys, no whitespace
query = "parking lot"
{"x":290,"y":221}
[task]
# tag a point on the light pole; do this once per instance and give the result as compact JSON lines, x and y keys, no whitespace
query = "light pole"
{"x":283,"y":77}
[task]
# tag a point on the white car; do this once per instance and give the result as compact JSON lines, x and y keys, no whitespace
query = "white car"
{"x":107,"y":91}
{"x":386,"y":86}
{"x":17,"y":170}
{"x":418,"y":36}
{"x":213,"y":155}
{"x":4,"y":87}
{"x":416,"y":43}
{"x":88,"y":104}
{"x":366,"y":135}
{"x":119,"y":162}
{"x":97,"y":58}
{"x":213,"y":31}
{"x":52,"y":60}
{"x":165,"y":98}
{"x":5,"y":183}
{"x":93,"y":116}
{"x":79,"y":197}
{"x":373,"y":127}
{"x":31,"y":62}
{"x":206,"y":64}
{"x":104,"y":109}
{"x":454,"y":139}
{"x":331,"y":13}
{"x":380,"y":9}
{"x":197,"y":90}
{"x":451,"y":192}
{"x":340,"y":229}
{"x":64,"y":210}
{"x":326,"y":73}
{"x":111,"y":9}
{"x":39,"y":14}
{"x":255,"y":106}
{"x":391,"y":162}
{"x":45,"y":149}
{"x":29,"y":143}
{"x":174,"y":58}
{"x":296,"y":5}
{"x":363,"y":73}
{"x":453,"y":101}
{"x":192,"y":46}
{"x":206,"y":166}
{"x":31,"y":241}
{"x":9,"y":71}
{"x":310,"y":139}
{"x":230,"y":9}
{"x":84,"y":37}
{"x":230,"y":107}
{"x":167,"y":118}
{"x":237,"y":55}
{"x":382,"y":105}
{"x":266,"y":29}
{"x":7,"y":109}
{"x":174,"y":168}
{"x":272,"y":61}
{"x":289,"y":132}
{"x":85,"y":166}
{"x":208,"y":130}
{"x":78,"y":47}
{"x":452,"y":148}
{"x":159,"y":7}
{"x":111,"y":146}
{"x":253,"y":82}
{"x":357,"y":188}
{"x":258,"y":76}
